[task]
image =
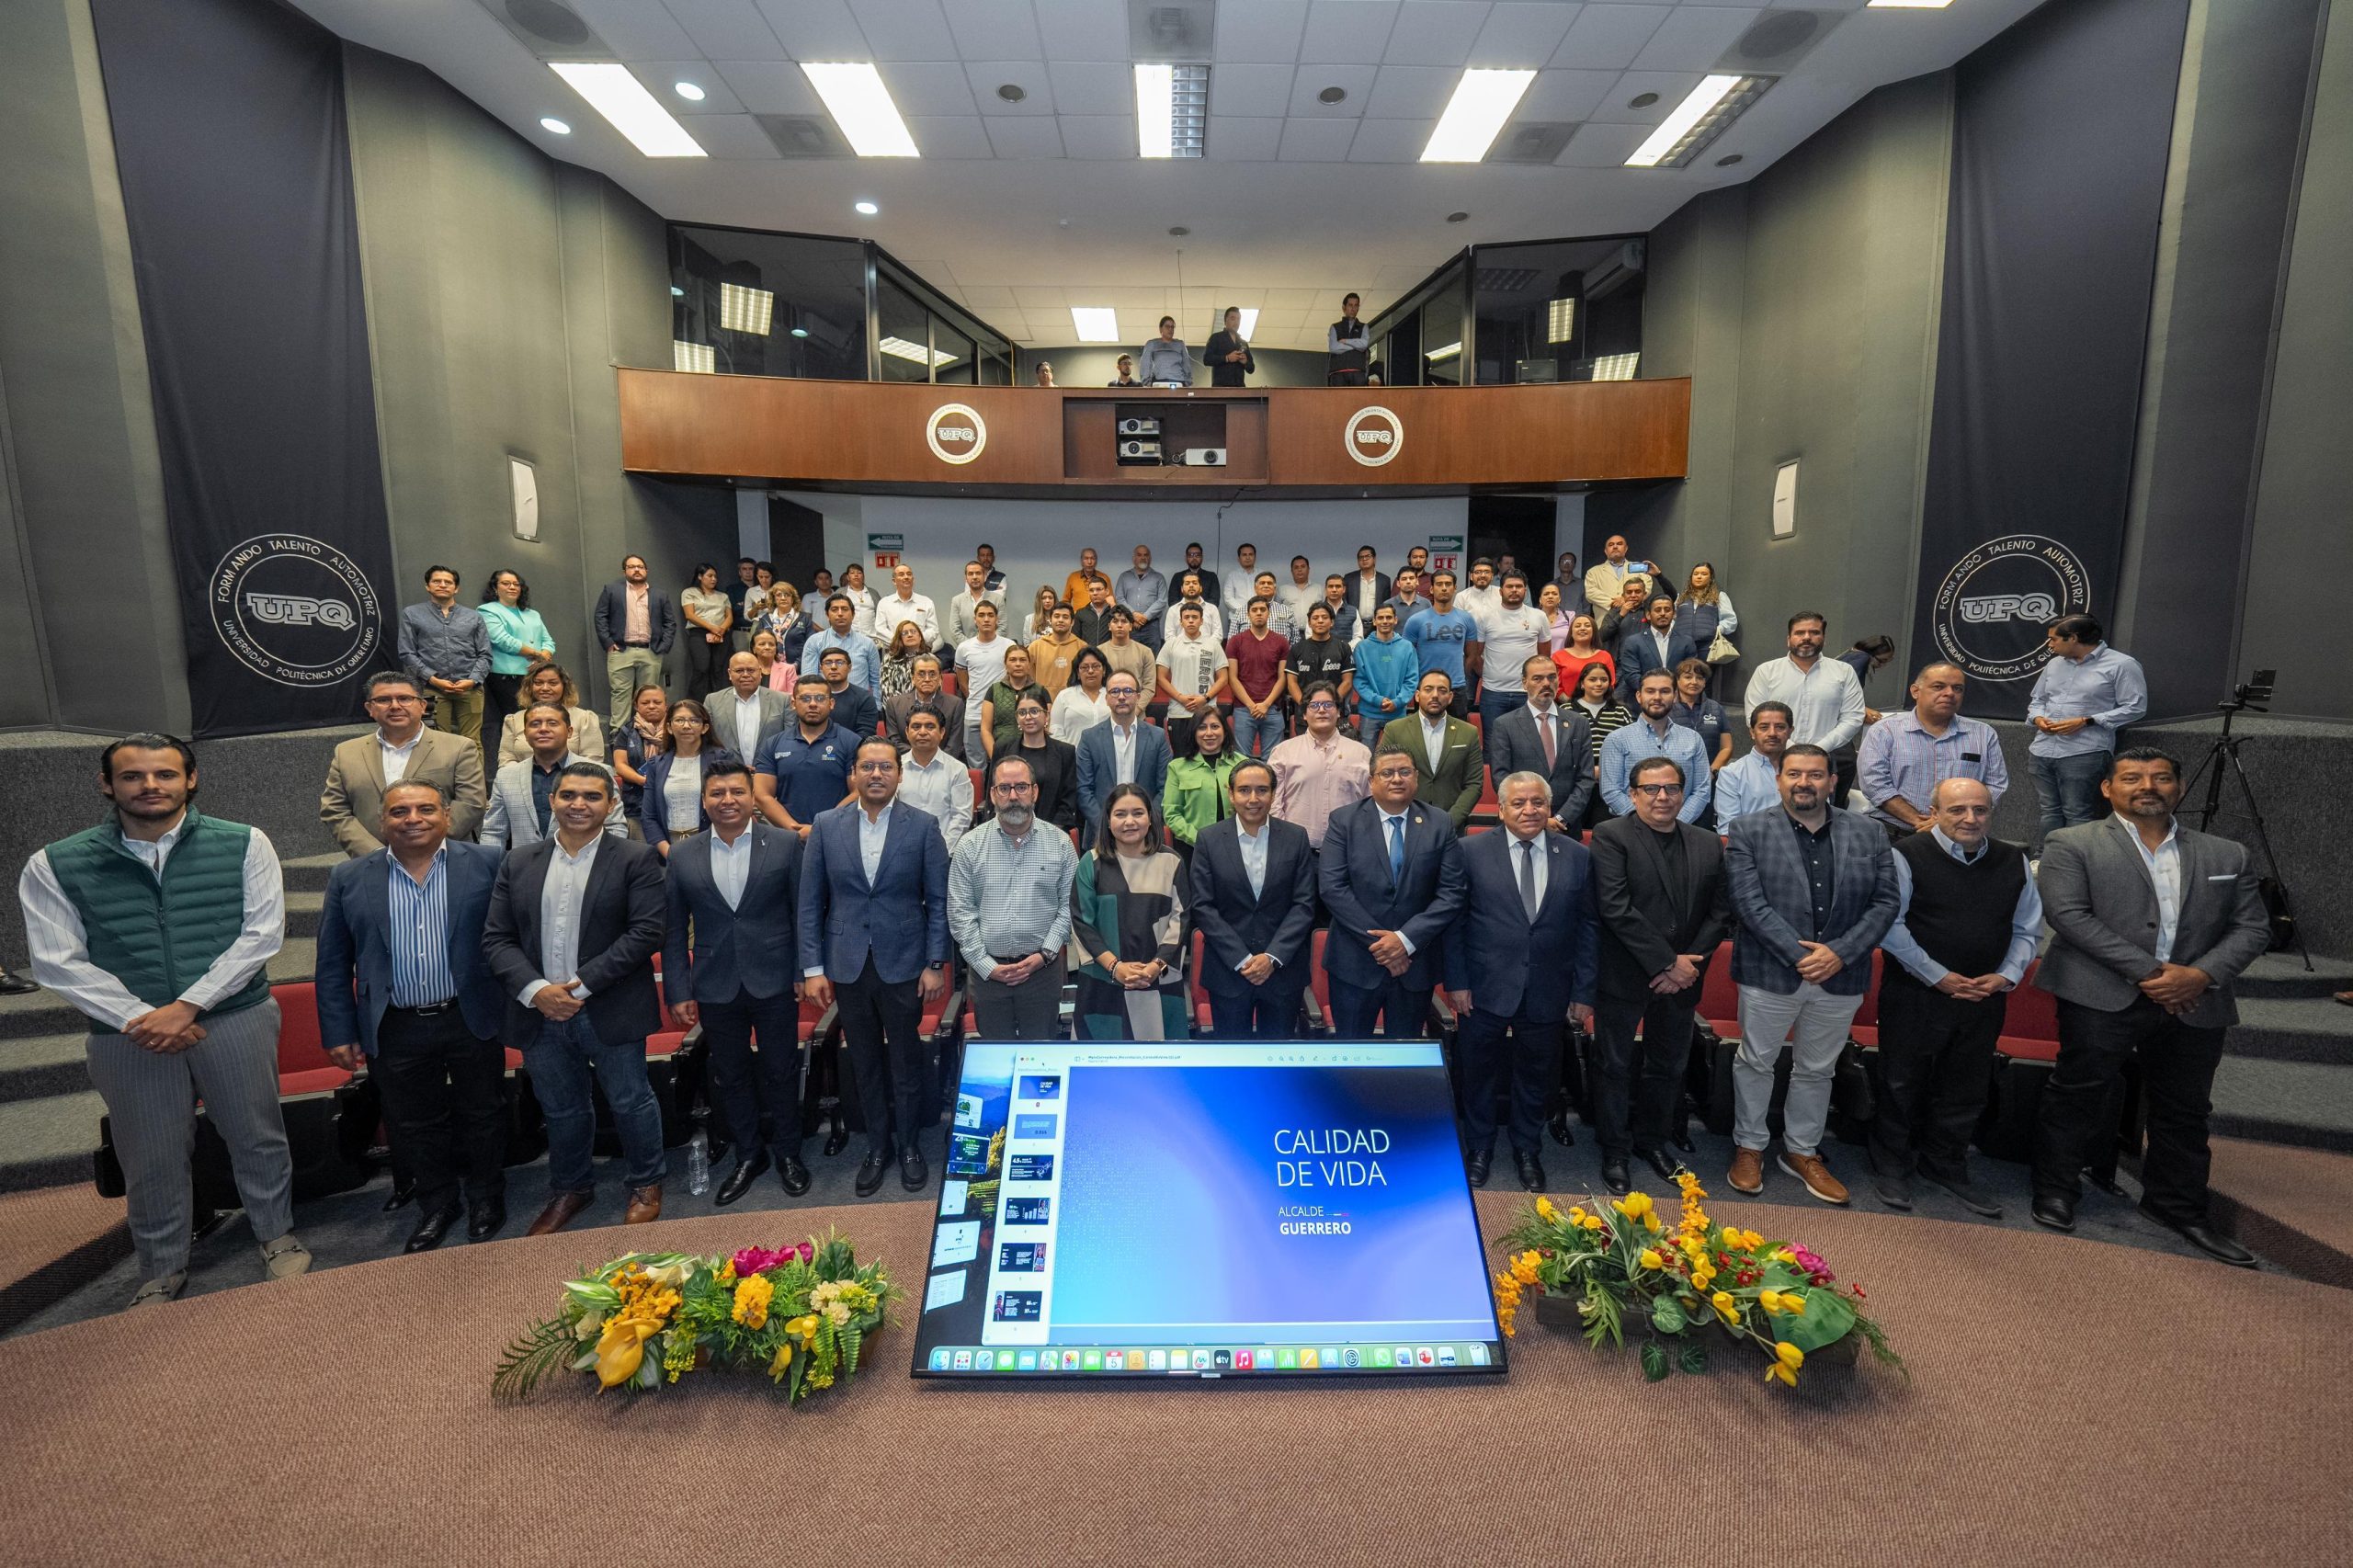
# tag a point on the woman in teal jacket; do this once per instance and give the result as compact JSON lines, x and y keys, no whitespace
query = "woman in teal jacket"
{"x":518,"y":639}
{"x":1387,"y":672}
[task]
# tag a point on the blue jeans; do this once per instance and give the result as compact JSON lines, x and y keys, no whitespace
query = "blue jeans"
{"x":1372,"y":720}
{"x":1494,"y":705}
{"x":1267,"y":732}
{"x":2068,"y":788}
{"x":568,"y":1064}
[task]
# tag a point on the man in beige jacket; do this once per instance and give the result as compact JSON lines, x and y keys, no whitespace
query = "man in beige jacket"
{"x":402,"y":750}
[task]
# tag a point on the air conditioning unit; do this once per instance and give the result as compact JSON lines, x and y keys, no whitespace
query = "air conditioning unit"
{"x":1203,"y":456}
{"x":1139,"y":427}
{"x":1139,"y":450}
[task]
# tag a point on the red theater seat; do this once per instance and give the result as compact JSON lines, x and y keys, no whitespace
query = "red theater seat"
{"x":2030,"y":1027}
{"x":1199,"y":993}
{"x":1865,"y":1029}
{"x":304,"y":1067}
{"x":1719,"y":997}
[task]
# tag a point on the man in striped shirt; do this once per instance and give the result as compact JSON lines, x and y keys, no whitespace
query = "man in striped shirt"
{"x":1904,"y":756}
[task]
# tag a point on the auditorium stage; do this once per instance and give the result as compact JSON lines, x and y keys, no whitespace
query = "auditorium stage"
{"x":346,"y":1417}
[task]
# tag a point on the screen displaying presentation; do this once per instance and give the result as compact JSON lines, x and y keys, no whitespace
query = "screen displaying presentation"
{"x":1200,"y":1209}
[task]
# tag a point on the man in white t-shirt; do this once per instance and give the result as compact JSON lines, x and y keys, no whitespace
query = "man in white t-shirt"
{"x":980,"y":664}
{"x":1510,"y":634}
{"x":1480,"y":598}
{"x":1192,"y":677}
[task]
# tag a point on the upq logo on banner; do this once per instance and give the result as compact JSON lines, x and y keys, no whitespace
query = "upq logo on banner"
{"x":296,"y":610}
{"x":956,"y":433}
{"x":1373,"y":436}
{"x":1991,"y":608}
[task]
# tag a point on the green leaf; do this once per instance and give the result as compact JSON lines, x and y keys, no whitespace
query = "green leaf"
{"x":1693,"y":1356}
{"x":535,"y":1354}
{"x":1653,"y":1361}
{"x":1827,"y":1316}
{"x":1666,"y":1316}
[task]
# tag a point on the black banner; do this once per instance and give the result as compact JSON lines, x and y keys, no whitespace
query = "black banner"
{"x":2061,"y":130}
{"x":229,"y":136}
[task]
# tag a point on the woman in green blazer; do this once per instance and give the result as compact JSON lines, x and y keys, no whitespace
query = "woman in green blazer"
{"x":1195,"y":793}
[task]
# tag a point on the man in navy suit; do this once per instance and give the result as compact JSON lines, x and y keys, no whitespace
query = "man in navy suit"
{"x":1253,"y":898}
{"x":1521,"y":958}
{"x":874,"y":938}
{"x":574,"y":922}
{"x":1122,"y":749}
{"x":1391,"y":874}
{"x":1653,"y":645}
{"x":1814,"y":888}
{"x":401,"y":981}
{"x":727,"y":965}
{"x":1542,"y":737}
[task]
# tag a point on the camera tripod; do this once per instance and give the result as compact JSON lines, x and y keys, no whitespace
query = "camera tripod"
{"x":2218,"y":767}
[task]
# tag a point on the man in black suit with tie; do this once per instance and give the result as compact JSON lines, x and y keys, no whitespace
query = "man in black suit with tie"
{"x":1519,"y":960}
{"x":574,"y":922}
{"x":1543,"y":738}
{"x":1391,"y":874}
{"x":1665,"y":905}
{"x":728,"y":965}
{"x":1253,"y":897}
{"x":403,"y":982}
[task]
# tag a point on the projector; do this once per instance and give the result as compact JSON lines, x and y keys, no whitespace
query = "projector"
{"x":1203,"y":456}
{"x":1139,"y":427}
{"x":1133,"y":451}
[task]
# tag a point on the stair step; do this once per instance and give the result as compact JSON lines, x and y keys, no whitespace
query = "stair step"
{"x":47,"y":1142}
{"x":43,"y":1065}
{"x":2284,"y":975}
{"x":45,"y":1013}
{"x":308,"y":873}
{"x":2305,"y":1030}
{"x":2306,"y":1104}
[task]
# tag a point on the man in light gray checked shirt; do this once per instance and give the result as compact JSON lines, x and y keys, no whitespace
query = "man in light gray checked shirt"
{"x":1009,"y":909}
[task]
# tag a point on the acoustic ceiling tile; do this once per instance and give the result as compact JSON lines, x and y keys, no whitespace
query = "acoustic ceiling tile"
{"x":726,"y":30}
{"x":1607,"y":38}
{"x":1348,"y":32}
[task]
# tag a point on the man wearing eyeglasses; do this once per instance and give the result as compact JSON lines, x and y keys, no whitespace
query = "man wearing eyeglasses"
{"x":1321,"y":771}
{"x":1008,"y":908}
{"x":401,"y":749}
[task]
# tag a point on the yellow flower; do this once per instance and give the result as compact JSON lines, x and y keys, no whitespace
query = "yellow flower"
{"x":1651,"y":1259}
{"x":1634,"y":1205}
{"x":752,"y":1298}
{"x":1576,"y":1213}
{"x":805,"y":1328}
{"x":1544,"y":1210}
{"x":1778,"y":1372}
{"x":1523,"y":1268}
{"x":783,"y":1360}
{"x":1703,"y":1276}
{"x":1595,"y":1222}
{"x":726,"y":1274}
{"x":621,"y":1349}
{"x":1786,"y":1359}
{"x":1649,"y":1224}
{"x":1726,"y":1308}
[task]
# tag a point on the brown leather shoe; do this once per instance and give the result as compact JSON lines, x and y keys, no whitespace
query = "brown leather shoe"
{"x":1748,"y":1173}
{"x":645,"y":1205}
{"x":1809,"y":1169}
{"x":561,"y":1209}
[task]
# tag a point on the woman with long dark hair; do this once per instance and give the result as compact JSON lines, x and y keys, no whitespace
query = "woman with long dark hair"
{"x":1195,"y":795}
{"x":1053,"y":763}
{"x":1596,"y":698}
{"x":640,"y":742}
{"x":1128,"y":933}
{"x":673,"y":803}
{"x":518,"y":639}
{"x":709,"y":614}
{"x":1001,"y":704}
{"x":548,"y":681}
{"x":899,"y":659}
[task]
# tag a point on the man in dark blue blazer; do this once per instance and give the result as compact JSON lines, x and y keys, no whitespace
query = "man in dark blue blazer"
{"x":1253,"y":899}
{"x":874,"y":938}
{"x":1391,"y":874}
{"x":401,"y":981}
{"x":728,"y":965}
{"x":1814,"y":889}
{"x":1541,"y":736}
{"x":636,"y":623}
{"x":1653,"y":645}
{"x":1122,"y":749}
{"x":581,"y":997}
{"x":1522,"y":957}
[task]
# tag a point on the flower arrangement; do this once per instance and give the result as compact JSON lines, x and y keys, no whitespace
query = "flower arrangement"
{"x":799,"y":1313}
{"x":1623,"y":1270}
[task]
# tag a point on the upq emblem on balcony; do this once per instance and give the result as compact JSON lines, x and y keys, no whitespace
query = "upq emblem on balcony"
{"x":956,"y":431}
{"x":1373,"y":435}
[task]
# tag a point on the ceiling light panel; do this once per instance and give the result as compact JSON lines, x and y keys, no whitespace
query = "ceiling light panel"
{"x":1482,"y":101}
{"x":1698,"y":119}
{"x":699,"y":357}
{"x":1095,"y":323}
{"x":853,"y":94}
{"x":1560,"y":320}
{"x":746,"y":310}
{"x":1909,"y":5}
{"x":622,"y":99}
{"x":1249,"y":323}
{"x":1616,"y":366}
{"x":916,"y":353}
{"x":1172,"y":110}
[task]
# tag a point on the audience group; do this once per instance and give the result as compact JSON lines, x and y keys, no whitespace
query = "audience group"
{"x":872,"y":803}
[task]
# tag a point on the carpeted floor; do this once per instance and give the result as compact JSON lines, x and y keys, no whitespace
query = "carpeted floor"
{"x":2070,"y":1404}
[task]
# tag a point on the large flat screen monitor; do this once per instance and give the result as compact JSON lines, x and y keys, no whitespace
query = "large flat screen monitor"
{"x":1195,"y":1209}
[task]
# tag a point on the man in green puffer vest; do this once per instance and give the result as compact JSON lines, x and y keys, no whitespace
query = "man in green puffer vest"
{"x":159,"y":925}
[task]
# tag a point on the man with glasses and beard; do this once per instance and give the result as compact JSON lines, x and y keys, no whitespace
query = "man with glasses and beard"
{"x":1008,"y":908}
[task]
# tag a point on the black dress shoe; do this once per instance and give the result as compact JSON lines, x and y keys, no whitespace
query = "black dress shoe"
{"x":739,"y":1180}
{"x":2210,"y":1242}
{"x":485,"y":1217}
{"x":427,"y":1234}
{"x":1615,"y":1178}
{"x":795,"y":1175}
{"x":1965,"y":1193}
{"x":1531,"y":1170}
{"x":913,"y":1172}
{"x":1558,"y":1131}
{"x":715,"y":1149}
{"x":403,"y":1193}
{"x":870,"y":1171}
{"x":1658,"y":1160}
{"x":14,"y":984}
{"x":1481,"y":1162}
{"x":838,"y":1138}
{"x":2059,"y":1213}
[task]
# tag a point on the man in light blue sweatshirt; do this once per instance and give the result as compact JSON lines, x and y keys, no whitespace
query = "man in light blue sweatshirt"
{"x":1387,"y":671}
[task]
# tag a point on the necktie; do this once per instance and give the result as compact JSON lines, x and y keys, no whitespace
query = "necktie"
{"x":1528,"y":899}
{"x":1396,"y":850}
{"x":1544,"y":730}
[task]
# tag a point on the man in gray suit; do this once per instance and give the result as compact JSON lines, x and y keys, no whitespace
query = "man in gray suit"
{"x":1814,"y":888}
{"x":519,"y":796}
{"x":2149,"y":923}
{"x":747,"y":710}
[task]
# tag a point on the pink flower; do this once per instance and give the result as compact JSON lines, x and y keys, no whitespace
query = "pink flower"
{"x":758,"y":1260}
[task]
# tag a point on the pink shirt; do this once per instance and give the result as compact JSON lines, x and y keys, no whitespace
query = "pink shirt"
{"x":639,"y":625}
{"x":1314,"y":778}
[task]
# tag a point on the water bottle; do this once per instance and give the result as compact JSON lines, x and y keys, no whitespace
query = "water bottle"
{"x":699,"y":1163}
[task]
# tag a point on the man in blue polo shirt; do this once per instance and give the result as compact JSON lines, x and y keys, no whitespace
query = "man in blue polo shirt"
{"x":1439,"y":635}
{"x":804,"y":769}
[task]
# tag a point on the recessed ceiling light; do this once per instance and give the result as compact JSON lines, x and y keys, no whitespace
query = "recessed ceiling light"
{"x":1332,"y":95}
{"x":1179,"y":230}
{"x":1249,"y":323}
{"x":688,"y":91}
{"x":1095,"y":323}
{"x":861,"y":106}
{"x":1728,"y":160}
{"x":622,"y":99}
{"x":1482,"y":100}
{"x":676,"y":292}
{"x":550,"y":122}
{"x":1172,"y":110}
{"x":1012,"y":92}
{"x":1642,"y":101}
{"x":1458,"y":217}
{"x":1698,"y":119}
{"x":865,"y":209}
{"x":1911,"y":5}
{"x":799,"y":332}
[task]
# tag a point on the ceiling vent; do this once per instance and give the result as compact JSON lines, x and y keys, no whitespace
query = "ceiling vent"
{"x":1171,"y":29}
{"x":549,"y":28}
{"x":1778,"y":41}
{"x":804,"y":136}
{"x":1531,"y":142}
{"x":1505,"y":279}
